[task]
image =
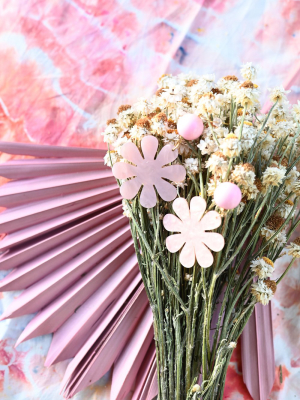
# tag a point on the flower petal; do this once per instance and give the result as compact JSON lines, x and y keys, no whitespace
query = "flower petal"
{"x":211,"y":220}
{"x":148,"y":196}
{"x":174,"y":242}
{"x":181,"y":208}
{"x":129,"y":189}
{"x":123,"y":170}
{"x":166,"y":191}
{"x":149,"y":146}
{"x":172,"y":223}
{"x":167,"y":155}
{"x":197,"y":207}
{"x":187,"y":255}
{"x":204,"y":257}
{"x":175,"y":173}
{"x":130,"y":152}
{"x":213,"y":240}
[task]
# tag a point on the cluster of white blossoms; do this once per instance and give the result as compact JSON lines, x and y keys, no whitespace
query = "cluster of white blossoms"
{"x":238,"y":144}
{"x":263,"y":290}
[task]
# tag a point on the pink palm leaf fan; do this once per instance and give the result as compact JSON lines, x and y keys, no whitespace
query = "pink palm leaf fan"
{"x":68,"y":246}
{"x":70,"y":249}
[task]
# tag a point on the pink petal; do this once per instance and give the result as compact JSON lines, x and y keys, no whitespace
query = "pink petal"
{"x":181,"y":208}
{"x":167,"y":155}
{"x":187,"y":255}
{"x":123,"y":170}
{"x":197,"y":207}
{"x":149,"y":147}
{"x":211,"y":220}
{"x":174,"y":242}
{"x":131,"y":153}
{"x":172,"y":223}
{"x":214,"y":241}
{"x":166,"y":191}
{"x":148,"y":196}
{"x":204,"y":256}
{"x":175,"y":173}
{"x":130,"y":188}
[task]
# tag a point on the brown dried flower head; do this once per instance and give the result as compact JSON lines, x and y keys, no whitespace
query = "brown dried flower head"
{"x":159,"y":92}
{"x":248,"y":167}
{"x":123,"y":108}
{"x":127,"y":134}
{"x":240,"y":112}
{"x":275,"y":222}
{"x":143,"y":123}
{"x":283,"y":162}
{"x":258,"y":184}
{"x":289,"y":202}
{"x":268,"y":261}
{"x":216,"y":91}
{"x":192,"y":82}
{"x":230,"y":78}
{"x":220,"y":154}
{"x":172,"y":124}
{"x":162,"y":117}
{"x":271,"y":285}
{"x":111,"y":121}
{"x":297,"y":241}
{"x":247,"y":85}
{"x":185,"y":100}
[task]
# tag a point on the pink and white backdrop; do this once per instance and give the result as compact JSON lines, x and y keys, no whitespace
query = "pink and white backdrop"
{"x":66,"y":66}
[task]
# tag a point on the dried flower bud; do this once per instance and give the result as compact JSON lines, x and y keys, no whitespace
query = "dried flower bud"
{"x":247,"y":85}
{"x":216,"y":91}
{"x":172,"y":124}
{"x":196,"y":388}
{"x":275,"y":222}
{"x":159,"y":92}
{"x":230,"y":78}
{"x":143,"y":123}
{"x":111,"y":121}
{"x":192,"y":82}
{"x":271,"y":285}
{"x":123,"y":108}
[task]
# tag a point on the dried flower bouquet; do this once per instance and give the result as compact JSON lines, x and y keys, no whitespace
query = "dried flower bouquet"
{"x":211,"y":188}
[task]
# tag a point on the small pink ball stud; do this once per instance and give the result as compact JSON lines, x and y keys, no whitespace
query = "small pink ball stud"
{"x":227,"y":195}
{"x":190,"y":126}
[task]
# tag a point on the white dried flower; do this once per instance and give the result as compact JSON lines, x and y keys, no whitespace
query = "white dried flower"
{"x":247,"y":96}
{"x":263,"y":290}
{"x":263,"y":267}
{"x":111,"y":158}
{"x":280,"y":238}
{"x":207,"y":146}
{"x":240,"y":208}
{"x":231,"y":146}
{"x":285,"y":209}
{"x":296,"y":188}
{"x":196,"y":388}
{"x":217,"y":164}
{"x":278,"y":94}
{"x":125,"y":207}
{"x":232,"y":345}
{"x":291,"y":179}
{"x":212,"y":186}
{"x":294,"y":248}
{"x":296,"y":111}
{"x":248,"y":71}
{"x":191,"y":165}
{"x":273,"y":176}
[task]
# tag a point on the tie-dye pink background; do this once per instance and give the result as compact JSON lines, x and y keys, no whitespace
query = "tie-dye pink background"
{"x":65,"y":67}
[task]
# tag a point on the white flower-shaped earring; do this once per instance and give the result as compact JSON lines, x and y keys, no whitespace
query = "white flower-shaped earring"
{"x":148,"y":172}
{"x":193,"y":235}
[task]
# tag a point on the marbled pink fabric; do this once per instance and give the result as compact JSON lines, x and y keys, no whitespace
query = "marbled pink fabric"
{"x":66,"y":66}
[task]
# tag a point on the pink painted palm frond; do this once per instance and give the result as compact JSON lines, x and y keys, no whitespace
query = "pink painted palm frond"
{"x":69,"y":248}
{"x":258,"y":360}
